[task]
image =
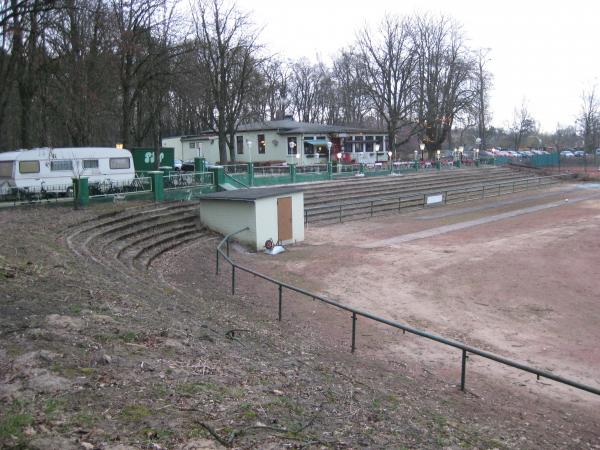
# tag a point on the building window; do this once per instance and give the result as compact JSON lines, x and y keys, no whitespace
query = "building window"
{"x":65,"y":164}
{"x":90,"y":163}
{"x":293,"y":151}
{"x":262,"y":146}
{"x":29,"y":166}
{"x":369,"y":143}
{"x":6,"y":168}
{"x":192,"y":145}
{"x":239,"y":144}
{"x":119,"y":163}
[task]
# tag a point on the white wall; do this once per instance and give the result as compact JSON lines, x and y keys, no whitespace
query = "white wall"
{"x":226,"y":216}
{"x":266,"y":219}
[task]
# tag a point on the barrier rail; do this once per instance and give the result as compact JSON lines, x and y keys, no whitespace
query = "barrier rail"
{"x":187,"y":179}
{"x":112,"y":187}
{"x":235,"y":168}
{"x":266,"y":171}
{"x":356,"y":313}
{"x":370,"y":207}
{"x":35,"y":193}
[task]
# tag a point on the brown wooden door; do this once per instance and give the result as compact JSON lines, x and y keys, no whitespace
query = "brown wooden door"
{"x":284,"y":218}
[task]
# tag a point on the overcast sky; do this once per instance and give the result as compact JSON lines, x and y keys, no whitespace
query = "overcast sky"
{"x":545,"y":52}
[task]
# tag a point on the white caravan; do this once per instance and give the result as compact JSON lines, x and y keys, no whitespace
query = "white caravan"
{"x":52,"y":169}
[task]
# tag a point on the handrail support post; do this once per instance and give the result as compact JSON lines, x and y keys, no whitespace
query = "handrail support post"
{"x":232,"y":279}
{"x":464,"y":370}
{"x":353,"y":332}
{"x":280,"y":302}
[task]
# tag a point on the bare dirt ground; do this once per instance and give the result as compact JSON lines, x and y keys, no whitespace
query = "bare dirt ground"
{"x":93,"y":356}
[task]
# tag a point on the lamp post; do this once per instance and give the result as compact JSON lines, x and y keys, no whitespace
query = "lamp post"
{"x":438,"y":163}
{"x":339,"y":157}
{"x":292,"y":146}
{"x":422,"y":146}
{"x":249,"y":144}
{"x":329,"y":145}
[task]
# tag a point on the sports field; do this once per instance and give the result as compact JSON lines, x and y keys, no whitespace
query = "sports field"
{"x":517,"y":276}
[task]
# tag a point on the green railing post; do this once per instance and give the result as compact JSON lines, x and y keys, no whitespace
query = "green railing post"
{"x":293,"y":173}
{"x":476,"y":163}
{"x":438,"y":165}
{"x":158,"y":188}
{"x":199,"y":164}
{"x":416,"y":165}
{"x":250,"y":174}
{"x":329,"y":170}
{"x":166,"y":170}
{"x":218,"y":175}
{"x":361,"y":168}
{"x":81,"y":191}
{"x":457,"y":163}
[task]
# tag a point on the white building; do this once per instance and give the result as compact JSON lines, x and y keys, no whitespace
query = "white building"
{"x":288,"y":141}
{"x":274,"y":213}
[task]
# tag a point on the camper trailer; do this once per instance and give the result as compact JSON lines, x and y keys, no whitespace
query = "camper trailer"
{"x":52,"y":169}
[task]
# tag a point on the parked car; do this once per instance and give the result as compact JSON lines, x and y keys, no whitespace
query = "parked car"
{"x":567,"y":154}
{"x":579,"y":153}
{"x":177,"y":164}
{"x":598,"y":151}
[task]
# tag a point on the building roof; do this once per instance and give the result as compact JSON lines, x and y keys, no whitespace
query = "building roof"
{"x":250,"y":195}
{"x":284,"y":127}
{"x":290,"y":126}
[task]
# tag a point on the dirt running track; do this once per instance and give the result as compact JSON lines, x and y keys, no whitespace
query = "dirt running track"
{"x":521,"y":280}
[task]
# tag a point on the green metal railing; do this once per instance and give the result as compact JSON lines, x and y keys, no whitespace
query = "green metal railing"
{"x":465,"y":349}
{"x":378,"y":206}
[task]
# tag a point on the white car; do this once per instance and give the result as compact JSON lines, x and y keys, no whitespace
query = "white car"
{"x":567,"y":154}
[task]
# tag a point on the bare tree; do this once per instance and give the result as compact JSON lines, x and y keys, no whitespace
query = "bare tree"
{"x":444,"y":77}
{"x":387,"y":62}
{"x":482,"y":86}
{"x":523,"y":125}
{"x":354,"y":104}
{"x":227,"y":50}
{"x":589,"y":119}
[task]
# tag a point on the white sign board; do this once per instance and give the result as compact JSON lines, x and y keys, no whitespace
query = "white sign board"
{"x":433,"y":199}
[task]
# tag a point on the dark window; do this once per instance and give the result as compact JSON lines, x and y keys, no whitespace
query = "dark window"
{"x":239,"y":144}
{"x":119,"y":163}
{"x":369,"y":143}
{"x":294,"y":150}
{"x":29,"y":166}
{"x":65,"y":164}
{"x":262,"y":146}
{"x":6,"y":168}
{"x":90,"y":163}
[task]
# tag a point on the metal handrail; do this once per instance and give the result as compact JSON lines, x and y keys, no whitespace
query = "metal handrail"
{"x":465,"y":349}
{"x":475,"y":188}
{"x":236,"y":180}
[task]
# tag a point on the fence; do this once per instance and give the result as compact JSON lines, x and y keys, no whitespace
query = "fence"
{"x":356,"y":313}
{"x":270,"y":171}
{"x":35,"y":193}
{"x":110,"y":187}
{"x":235,"y":168}
{"x":385,"y":205}
{"x":177,"y":180}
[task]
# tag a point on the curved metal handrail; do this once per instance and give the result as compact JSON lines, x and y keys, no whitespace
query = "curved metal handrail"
{"x":466,"y":349}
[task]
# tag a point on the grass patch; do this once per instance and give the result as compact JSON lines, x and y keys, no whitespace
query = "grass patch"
{"x":84,"y":419}
{"x":129,"y":336}
{"x":86,"y":370}
{"x":15,"y":419}
{"x":135,"y":413}
{"x":52,"y":406}
{"x":217,"y":391}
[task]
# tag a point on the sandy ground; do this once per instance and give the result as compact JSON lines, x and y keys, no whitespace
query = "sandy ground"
{"x":518,"y":277}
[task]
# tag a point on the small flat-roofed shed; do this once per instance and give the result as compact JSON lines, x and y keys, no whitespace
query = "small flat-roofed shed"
{"x":275,"y":213}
